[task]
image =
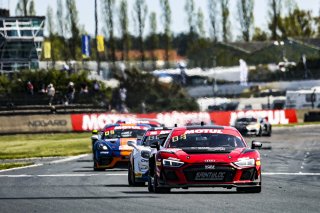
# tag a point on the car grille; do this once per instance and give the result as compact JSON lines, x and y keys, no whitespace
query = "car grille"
{"x":105,"y":160}
{"x":199,"y":173}
{"x":248,"y":174}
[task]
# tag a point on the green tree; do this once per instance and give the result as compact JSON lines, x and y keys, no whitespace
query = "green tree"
{"x":50,"y":29}
{"x":25,"y":8}
{"x":245,"y":13}
{"x":141,"y":11}
{"x":166,"y":14}
{"x":96,"y":27}
{"x":298,"y":23}
{"x":200,"y":23}
{"x":190,"y":10}
{"x":143,"y":87}
{"x":259,"y":35}
{"x":61,"y":29}
{"x":124,"y":32}
{"x":108,"y":8}
{"x":213,"y":16}
{"x":275,"y":15}
{"x":73,"y":29}
{"x":225,"y":20}
{"x":154,"y":37}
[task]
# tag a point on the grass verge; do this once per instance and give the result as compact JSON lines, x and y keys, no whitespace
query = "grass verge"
{"x":13,"y":165}
{"x":44,"y":145}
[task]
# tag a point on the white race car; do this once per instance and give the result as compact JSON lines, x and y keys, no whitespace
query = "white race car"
{"x":139,"y":158}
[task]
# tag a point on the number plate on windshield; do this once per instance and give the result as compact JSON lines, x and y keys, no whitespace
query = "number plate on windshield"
{"x":213,"y":176}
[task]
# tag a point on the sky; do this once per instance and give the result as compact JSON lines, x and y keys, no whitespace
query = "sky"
{"x":179,"y":17}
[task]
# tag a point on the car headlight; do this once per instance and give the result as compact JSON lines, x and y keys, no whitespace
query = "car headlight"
{"x":172,"y":163}
{"x":102,"y":147}
{"x":244,"y":162}
{"x":145,"y":154}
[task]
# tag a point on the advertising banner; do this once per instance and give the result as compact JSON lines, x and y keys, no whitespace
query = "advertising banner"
{"x":100,"y":43}
{"x":88,"y":122}
{"x":85,"y":46}
{"x":47,"y":49}
{"x":35,"y":123}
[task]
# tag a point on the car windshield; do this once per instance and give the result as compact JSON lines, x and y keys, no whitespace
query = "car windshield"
{"x":205,"y":140}
{"x":148,"y":140}
{"x":247,"y":120}
{"x":123,"y":133}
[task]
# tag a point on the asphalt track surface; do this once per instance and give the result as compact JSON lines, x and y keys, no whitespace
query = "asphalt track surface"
{"x":291,"y":183}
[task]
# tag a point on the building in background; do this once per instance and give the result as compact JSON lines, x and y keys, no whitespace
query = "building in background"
{"x":21,"y":39}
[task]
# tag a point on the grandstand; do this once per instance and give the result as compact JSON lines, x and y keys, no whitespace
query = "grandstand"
{"x":21,"y":40}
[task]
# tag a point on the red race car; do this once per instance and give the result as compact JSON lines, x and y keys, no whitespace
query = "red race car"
{"x":205,"y":156}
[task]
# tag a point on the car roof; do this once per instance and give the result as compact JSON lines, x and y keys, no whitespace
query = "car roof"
{"x":202,"y":127}
{"x":122,"y":124}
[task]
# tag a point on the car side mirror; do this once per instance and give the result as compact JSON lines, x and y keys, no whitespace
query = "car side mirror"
{"x":132,"y":144}
{"x":94,"y":137}
{"x":256,"y":145}
{"x":155,"y":144}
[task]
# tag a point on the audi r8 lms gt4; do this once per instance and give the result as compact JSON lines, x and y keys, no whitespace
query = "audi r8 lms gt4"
{"x":206,"y":156}
{"x":110,"y":145}
{"x":139,"y":158}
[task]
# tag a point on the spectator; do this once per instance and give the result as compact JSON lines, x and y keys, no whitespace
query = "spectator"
{"x":43,"y":89}
{"x":84,"y":89}
{"x":30,"y":88}
{"x":96,"y":86}
{"x":123,"y":97}
{"x":70,"y":92}
{"x":51,"y":92}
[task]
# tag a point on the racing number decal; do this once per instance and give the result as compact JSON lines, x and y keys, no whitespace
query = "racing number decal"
{"x":111,"y":132}
{"x":181,"y":137}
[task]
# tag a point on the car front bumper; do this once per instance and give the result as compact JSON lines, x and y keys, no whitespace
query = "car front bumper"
{"x":186,"y":176}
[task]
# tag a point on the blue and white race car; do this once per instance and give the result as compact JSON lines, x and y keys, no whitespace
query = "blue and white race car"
{"x":139,"y":158}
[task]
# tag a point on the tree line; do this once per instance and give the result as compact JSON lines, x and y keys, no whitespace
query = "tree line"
{"x":285,"y":19}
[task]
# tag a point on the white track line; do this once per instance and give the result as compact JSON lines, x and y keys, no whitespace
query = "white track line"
{"x":23,"y":167}
{"x":52,"y":162}
{"x":125,"y":174}
{"x":63,"y":175}
{"x":290,"y":174}
{"x":69,"y":159}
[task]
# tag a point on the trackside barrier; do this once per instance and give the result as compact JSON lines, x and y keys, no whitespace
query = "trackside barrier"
{"x":88,"y":122}
{"x":35,"y":124}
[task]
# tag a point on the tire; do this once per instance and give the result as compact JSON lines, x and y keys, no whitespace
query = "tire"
{"x":150,"y":186}
{"x":130,"y":182}
{"x":131,"y":178}
{"x":158,"y":189}
{"x":269,"y":132}
{"x":95,"y":168}
{"x":255,"y":189}
{"x":260,"y":132}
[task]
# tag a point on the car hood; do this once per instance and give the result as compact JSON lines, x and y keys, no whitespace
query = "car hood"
{"x":207,"y":155}
{"x":119,"y":143}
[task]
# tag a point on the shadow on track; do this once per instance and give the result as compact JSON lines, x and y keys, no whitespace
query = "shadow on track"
{"x":117,"y":185}
{"x":90,"y":169}
{"x":183,"y":192}
{"x":74,"y":198}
